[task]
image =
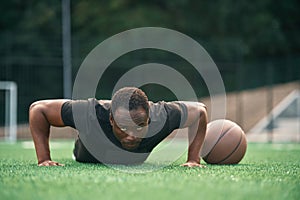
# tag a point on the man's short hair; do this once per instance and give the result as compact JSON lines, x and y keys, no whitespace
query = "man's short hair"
{"x":130,"y":98}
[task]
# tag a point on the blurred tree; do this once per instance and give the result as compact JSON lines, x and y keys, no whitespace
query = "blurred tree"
{"x":230,"y":30}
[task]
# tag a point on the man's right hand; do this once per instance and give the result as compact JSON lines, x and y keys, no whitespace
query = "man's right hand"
{"x":50,"y":163}
{"x":42,"y":115}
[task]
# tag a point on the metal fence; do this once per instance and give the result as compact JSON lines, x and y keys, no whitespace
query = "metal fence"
{"x":37,"y":69}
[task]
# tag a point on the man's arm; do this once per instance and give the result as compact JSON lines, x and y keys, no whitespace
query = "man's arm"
{"x":196,"y":123}
{"x":42,"y":115}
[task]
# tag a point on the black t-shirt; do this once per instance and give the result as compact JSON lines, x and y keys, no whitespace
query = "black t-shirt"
{"x":165,"y":117}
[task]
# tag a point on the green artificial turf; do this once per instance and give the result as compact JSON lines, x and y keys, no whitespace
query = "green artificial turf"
{"x":268,"y":171}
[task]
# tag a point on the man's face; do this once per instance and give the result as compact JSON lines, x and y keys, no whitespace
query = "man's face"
{"x":129,"y":127}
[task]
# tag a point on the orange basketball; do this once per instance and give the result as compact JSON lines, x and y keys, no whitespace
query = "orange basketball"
{"x":225,"y":143}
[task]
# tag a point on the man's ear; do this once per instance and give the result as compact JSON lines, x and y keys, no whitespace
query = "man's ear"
{"x":111,"y":119}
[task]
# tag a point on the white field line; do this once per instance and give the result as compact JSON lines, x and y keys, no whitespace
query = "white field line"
{"x":261,"y":125}
{"x":53,"y":145}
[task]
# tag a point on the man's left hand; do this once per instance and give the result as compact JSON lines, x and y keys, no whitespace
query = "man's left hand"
{"x":192,"y":164}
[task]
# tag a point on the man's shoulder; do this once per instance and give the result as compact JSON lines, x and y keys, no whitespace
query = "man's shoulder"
{"x":105,"y":103}
{"x":169,"y":104}
{"x":166,"y":108}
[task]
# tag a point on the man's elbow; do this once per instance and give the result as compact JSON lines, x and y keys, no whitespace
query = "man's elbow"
{"x":202,"y":111}
{"x":36,"y":107}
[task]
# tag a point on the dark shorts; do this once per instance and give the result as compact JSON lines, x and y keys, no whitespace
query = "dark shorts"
{"x":81,"y":154}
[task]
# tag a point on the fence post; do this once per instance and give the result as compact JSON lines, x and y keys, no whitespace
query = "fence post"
{"x":269,"y":76}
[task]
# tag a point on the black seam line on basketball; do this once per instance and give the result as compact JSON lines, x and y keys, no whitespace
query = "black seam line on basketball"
{"x":218,"y":141}
{"x":237,"y":146}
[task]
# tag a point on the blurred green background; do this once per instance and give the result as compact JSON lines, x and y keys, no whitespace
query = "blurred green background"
{"x":254,"y":43}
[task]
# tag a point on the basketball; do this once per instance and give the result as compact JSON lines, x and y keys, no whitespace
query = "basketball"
{"x":225,"y":143}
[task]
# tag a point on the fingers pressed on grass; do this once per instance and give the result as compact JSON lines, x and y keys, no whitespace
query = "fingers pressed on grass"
{"x":50,"y":163}
{"x":193,"y":165}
